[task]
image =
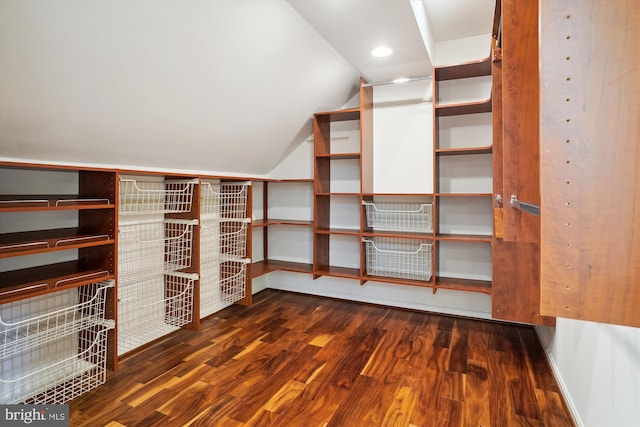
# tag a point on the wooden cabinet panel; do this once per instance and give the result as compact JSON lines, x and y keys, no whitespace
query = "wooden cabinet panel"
{"x":520,"y":88}
{"x":516,"y":245}
{"x":590,"y":160}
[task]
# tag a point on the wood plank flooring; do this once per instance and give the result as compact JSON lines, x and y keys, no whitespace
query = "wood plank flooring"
{"x":299,"y":360}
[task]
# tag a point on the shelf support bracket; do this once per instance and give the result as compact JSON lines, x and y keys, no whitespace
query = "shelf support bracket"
{"x":524,"y":206}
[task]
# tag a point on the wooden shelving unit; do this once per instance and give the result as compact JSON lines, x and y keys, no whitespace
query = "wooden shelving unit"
{"x":326,"y":191}
{"x":93,"y":237}
{"x":452,"y":197}
{"x":267,"y":225}
{"x":57,"y":247}
{"x":158,"y":256}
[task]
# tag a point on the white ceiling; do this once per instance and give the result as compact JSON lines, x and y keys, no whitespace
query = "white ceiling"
{"x":218,"y":86}
{"x":355,"y":27}
{"x":455,"y":19}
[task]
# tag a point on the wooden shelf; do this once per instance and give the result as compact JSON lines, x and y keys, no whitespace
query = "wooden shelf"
{"x":284,"y":180}
{"x":397,"y":195}
{"x":338,"y":194}
{"x":421,"y":283}
{"x":398,"y":234}
{"x":465,"y":237}
{"x":465,"y":70}
{"x":15,"y":203}
{"x":468,"y":285}
{"x":265,"y":223}
{"x":345,"y":231}
{"x":339,"y":156}
{"x":462,"y":151}
{"x":263,"y":267}
{"x":464,"y":195}
{"x":349,"y":273}
{"x":473,"y":107}
{"x":33,"y":242}
{"x":340,"y":115}
{"x":26,"y":283}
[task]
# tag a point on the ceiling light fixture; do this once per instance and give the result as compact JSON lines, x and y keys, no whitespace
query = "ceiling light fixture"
{"x":381,"y":52}
{"x":402,"y":80}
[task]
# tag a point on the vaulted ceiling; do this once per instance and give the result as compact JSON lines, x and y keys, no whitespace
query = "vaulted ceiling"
{"x":218,"y":86}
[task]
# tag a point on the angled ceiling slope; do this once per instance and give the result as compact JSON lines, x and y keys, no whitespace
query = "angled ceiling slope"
{"x":221,"y":86}
{"x":355,"y":27}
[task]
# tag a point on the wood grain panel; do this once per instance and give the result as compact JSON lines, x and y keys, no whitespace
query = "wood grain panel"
{"x":366,"y":138}
{"x":590,"y":160}
{"x":520,"y":107}
{"x":516,"y":276}
{"x":516,"y":283}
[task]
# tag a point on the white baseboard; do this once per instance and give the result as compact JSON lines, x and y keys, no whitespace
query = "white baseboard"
{"x":546,"y":338}
{"x":394,"y":295}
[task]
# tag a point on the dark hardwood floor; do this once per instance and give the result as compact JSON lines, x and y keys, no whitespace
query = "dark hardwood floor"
{"x":298,"y":360}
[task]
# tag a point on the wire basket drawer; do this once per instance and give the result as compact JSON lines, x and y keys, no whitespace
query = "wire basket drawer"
{"x":398,"y":258}
{"x":63,"y":313}
{"x":411,"y":217}
{"x":227,"y":239}
{"x":59,"y":371}
{"x":233,"y":276}
{"x":222,"y":284}
{"x":151,"y":308}
{"x":233,"y":238}
{"x":139,"y":196}
{"x":210,"y":199}
{"x":233,"y":200}
{"x":148,"y":248}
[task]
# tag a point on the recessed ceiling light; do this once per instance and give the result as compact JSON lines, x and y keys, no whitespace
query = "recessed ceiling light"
{"x":402,"y":80}
{"x":381,"y":52}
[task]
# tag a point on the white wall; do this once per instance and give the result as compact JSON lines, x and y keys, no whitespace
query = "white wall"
{"x":128,"y":83}
{"x":462,"y":50}
{"x":403,"y":138}
{"x":598,"y":368}
{"x":413,"y":297}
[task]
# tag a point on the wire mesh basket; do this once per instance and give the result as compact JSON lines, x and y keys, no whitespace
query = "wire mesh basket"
{"x":210,"y":199}
{"x":151,"y":308}
{"x":148,"y":248}
{"x":209,"y":241}
{"x":233,"y":200}
{"x":410,"y":217}
{"x":228,"y":238}
{"x":222,"y":285}
{"x":56,"y":372}
{"x":63,"y":313}
{"x":233,"y":238}
{"x":147,"y":196}
{"x":398,"y":258}
{"x":233,"y":280}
